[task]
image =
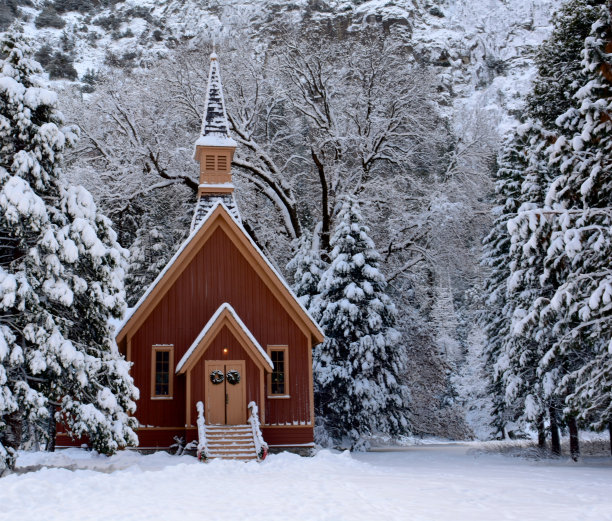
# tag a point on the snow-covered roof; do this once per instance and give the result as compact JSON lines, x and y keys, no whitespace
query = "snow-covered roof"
{"x":224,"y":307}
{"x":216,"y":185}
{"x":274,"y":270}
{"x":218,"y":205}
{"x":207,"y":201}
{"x":215,"y":140}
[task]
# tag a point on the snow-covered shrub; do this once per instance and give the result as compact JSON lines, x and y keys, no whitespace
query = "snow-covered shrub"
{"x":48,"y":17}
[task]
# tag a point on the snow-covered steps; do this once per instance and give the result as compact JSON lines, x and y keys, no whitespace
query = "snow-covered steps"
{"x":230,"y":442}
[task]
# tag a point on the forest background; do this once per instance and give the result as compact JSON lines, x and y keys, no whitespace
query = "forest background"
{"x":403,"y":106}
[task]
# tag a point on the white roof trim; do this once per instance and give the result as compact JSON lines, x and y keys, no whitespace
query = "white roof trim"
{"x":163,"y":272}
{"x":216,"y":185}
{"x":214,"y":140}
{"x":267,"y":261}
{"x":211,"y":322}
{"x":188,"y":240}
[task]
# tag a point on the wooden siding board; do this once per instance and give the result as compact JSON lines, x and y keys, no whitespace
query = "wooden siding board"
{"x":288,"y":436}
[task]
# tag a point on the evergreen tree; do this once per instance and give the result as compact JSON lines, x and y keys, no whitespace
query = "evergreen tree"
{"x":61,"y":272}
{"x":149,"y":254}
{"x":471,"y":385}
{"x":554,"y":239}
{"x":359,"y":367}
{"x":153,"y":241}
{"x":580,"y":199}
{"x":558,"y":61}
{"x":559,"y":251}
{"x":307,"y":267}
{"x":530,"y":337}
{"x":498,"y":312}
{"x":444,"y":318}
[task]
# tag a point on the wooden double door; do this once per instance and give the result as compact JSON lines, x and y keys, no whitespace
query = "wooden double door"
{"x":226,"y":400}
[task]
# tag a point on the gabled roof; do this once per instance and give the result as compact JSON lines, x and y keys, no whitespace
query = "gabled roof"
{"x":224,"y":316}
{"x":219,"y":214}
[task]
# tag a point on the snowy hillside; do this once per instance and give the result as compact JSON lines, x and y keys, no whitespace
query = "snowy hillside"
{"x":482,"y":49}
{"x":485,"y":49}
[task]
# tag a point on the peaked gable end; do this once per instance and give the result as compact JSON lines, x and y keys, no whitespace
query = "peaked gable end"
{"x":224,"y":316}
{"x":219,"y":217}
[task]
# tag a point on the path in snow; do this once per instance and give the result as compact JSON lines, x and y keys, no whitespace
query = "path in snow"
{"x":433,"y":482}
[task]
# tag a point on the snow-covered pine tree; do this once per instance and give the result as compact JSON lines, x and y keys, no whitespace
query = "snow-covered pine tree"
{"x":96,"y":392}
{"x":558,"y":61}
{"x":471,"y":386}
{"x":161,"y":223}
{"x":359,"y":367}
{"x":61,"y":272}
{"x":149,"y":254}
{"x":444,"y":318}
{"x":530,"y":337}
{"x":535,"y":367}
{"x":307,"y":267}
{"x":498,"y":309}
{"x":580,"y":199}
{"x":527,"y":333}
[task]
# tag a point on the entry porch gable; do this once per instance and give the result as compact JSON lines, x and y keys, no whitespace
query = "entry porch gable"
{"x":224,"y":317}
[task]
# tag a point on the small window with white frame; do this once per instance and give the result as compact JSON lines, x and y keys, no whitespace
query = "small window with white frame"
{"x":278,"y":379}
{"x":162,"y":372}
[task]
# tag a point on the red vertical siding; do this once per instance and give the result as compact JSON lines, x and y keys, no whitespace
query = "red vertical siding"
{"x":219,"y":273}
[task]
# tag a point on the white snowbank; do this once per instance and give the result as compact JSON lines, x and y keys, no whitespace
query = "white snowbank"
{"x":436,"y":483}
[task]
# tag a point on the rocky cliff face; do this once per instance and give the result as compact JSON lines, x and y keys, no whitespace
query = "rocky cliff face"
{"x":482,"y":49}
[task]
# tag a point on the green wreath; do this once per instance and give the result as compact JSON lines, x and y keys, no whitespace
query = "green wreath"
{"x":216,"y":376}
{"x":233,"y":377}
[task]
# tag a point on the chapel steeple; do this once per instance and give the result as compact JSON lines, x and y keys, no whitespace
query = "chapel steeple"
{"x":214,"y":150}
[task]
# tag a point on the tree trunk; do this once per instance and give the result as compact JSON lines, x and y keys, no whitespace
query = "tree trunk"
{"x":555,"y":441}
{"x":541,"y":432}
{"x":574,"y":442}
{"x":11,"y":437}
{"x":326,"y":219}
{"x":51,"y":430}
{"x":34,"y":437}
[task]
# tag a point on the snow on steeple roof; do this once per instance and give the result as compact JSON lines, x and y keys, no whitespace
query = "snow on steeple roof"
{"x":215,"y":127}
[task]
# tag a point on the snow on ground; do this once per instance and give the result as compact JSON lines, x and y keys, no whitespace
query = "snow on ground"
{"x":428,"y":482}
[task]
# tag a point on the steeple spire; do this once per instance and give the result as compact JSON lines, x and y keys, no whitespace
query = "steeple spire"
{"x":214,"y":149}
{"x":214,"y":123}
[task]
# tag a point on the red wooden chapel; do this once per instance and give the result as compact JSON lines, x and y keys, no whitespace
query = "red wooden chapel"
{"x":219,"y":324}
